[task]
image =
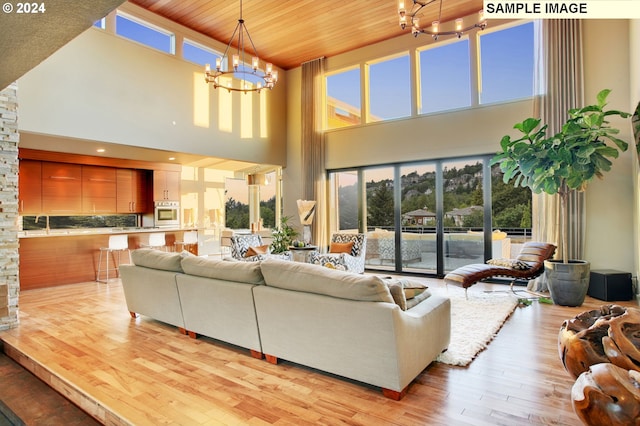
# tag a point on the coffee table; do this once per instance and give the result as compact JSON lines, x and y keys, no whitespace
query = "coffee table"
{"x":302,"y":254}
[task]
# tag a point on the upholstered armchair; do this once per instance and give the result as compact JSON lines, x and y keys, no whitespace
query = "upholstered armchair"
{"x":251,"y":248}
{"x":347,"y":251}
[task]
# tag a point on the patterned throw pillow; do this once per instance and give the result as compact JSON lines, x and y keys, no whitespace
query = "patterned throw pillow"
{"x":510,"y":263}
{"x":341,"y":247}
{"x":253,"y":251}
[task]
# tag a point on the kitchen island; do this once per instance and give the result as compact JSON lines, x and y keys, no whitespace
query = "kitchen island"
{"x":70,"y":256}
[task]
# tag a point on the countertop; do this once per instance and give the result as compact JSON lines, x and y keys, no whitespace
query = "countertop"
{"x":94,"y":231}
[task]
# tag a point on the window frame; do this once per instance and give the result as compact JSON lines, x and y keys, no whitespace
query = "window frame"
{"x":326,"y":96}
{"x":171,"y":35}
{"x":492,"y":30}
{"x":367,"y":85}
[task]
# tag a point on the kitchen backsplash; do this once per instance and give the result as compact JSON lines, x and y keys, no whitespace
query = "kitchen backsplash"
{"x":30,"y":223}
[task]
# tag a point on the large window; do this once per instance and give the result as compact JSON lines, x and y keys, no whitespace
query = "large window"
{"x":507,"y":58}
{"x":389,"y":89}
{"x":500,"y":59}
{"x":197,"y":53}
{"x":145,"y":33}
{"x":418,"y":207}
{"x":344,"y":186}
{"x":268,"y":201}
{"x":343,"y":99}
{"x":445,"y":77}
{"x":236,"y":203}
{"x":256,"y":203}
{"x":432,"y":216}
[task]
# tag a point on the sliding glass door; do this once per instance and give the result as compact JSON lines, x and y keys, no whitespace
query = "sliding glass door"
{"x":430,"y":217}
{"x":463,"y":204}
{"x":380,"y":218}
{"x":419,"y":238}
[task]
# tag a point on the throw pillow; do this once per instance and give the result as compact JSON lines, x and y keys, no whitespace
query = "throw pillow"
{"x":396,"y":290}
{"x":412,"y":288}
{"x":510,"y":263}
{"x":419,"y":298}
{"x":254,"y":251}
{"x":341,"y":247}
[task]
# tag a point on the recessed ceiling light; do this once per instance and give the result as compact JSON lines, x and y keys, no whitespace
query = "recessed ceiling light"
{"x":172,"y":158}
{"x":100,"y":150}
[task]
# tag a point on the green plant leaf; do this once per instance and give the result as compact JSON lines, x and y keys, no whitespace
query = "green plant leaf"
{"x":585,"y":151}
{"x":622,"y":114}
{"x":527,"y":125}
{"x":602,"y":97}
{"x":622,"y":145}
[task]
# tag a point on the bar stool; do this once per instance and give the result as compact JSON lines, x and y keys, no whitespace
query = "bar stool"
{"x":117,"y":244}
{"x":156,"y":241}
{"x":189,"y":242}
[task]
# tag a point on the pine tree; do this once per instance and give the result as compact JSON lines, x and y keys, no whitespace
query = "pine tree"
{"x":380,"y":206}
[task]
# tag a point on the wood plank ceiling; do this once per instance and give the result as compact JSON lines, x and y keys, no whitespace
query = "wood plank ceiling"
{"x":290,"y":32}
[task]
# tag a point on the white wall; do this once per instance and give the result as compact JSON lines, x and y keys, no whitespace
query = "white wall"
{"x":292,"y":174}
{"x":610,"y":242}
{"x":460,"y":133}
{"x":634,"y":56}
{"x":105,"y":88}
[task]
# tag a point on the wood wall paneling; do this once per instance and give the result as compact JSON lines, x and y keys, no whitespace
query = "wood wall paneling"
{"x":30,"y":187}
{"x":98,"y":189}
{"x":68,"y":184}
{"x":50,"y":261}
{"x":132,"y":189}
{"x":61,"y":188}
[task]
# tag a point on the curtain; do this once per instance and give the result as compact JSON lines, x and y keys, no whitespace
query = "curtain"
{"x":559,"y":77}
{"x":314,"y":185}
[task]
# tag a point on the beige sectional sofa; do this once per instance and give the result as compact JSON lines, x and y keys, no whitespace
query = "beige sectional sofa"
{"x":150,"y":286}
{"x":339,"y":322}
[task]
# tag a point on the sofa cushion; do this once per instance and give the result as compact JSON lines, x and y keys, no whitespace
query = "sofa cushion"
{"x":156,"y":259}
{"x":320,"y":280}
{"x":208,"y":267}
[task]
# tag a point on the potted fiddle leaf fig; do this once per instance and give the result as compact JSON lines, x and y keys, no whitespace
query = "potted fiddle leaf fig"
{"x":558,"y":164}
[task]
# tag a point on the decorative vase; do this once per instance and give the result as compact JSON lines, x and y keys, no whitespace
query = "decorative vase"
{"x":568,"y":282}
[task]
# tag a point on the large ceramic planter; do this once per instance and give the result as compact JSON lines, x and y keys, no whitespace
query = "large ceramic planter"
{"x":568,"y":282}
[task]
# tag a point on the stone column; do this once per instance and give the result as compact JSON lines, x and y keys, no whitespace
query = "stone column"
{"x":9,"y":283}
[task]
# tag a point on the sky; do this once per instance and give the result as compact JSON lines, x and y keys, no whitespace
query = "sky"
{"x":507,"y":61}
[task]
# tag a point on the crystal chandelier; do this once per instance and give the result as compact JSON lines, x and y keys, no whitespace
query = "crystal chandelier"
{"x":243,"y":77}
{"x":459,"y":29}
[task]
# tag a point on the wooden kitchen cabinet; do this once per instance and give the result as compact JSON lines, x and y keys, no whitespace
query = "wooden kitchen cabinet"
{"x":61,"y":188}
{"x":98,"y":189}
{"x":30,"y":187}
{"x":166,"y":185}
{"x":131,"y":191}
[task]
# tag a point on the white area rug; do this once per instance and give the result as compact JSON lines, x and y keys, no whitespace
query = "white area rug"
{"x":474,"y":322}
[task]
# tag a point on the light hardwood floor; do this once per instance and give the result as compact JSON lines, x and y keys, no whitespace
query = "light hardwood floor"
{"x":81,"y":340}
